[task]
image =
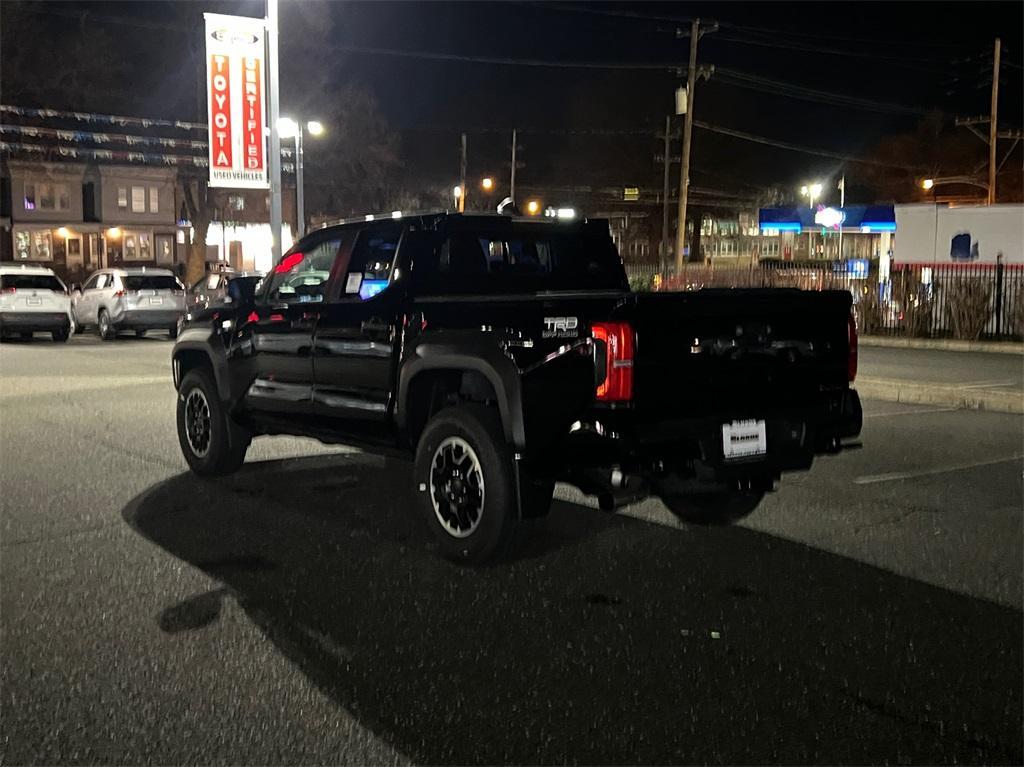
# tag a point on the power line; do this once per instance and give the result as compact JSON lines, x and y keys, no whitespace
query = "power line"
{"x":832,"y":52}
{"x":764,"y":84}
{"x":773,"y":32}
{"x":797,"y":148}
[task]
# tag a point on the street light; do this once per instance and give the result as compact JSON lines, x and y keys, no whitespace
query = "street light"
{"x":487,"y":184}
{"x":811,"y":192}
{"x":927,"y":184}
{"x":533,"y":207}
{"x":289,"y":128}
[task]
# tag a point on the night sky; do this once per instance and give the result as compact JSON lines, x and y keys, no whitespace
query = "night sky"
{"x":927,"y":55}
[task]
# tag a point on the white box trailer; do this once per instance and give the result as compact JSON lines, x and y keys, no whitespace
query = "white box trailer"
{"x":940,"y":234}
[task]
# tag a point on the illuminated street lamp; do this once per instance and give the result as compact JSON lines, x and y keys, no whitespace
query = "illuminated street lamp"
{"x":457,"y":193}
{"x":533,"y":207}
{"x":289,"y":128}
{"x":811,"y":192}
{"x":927,"y":184}
{"x":487,"y":184}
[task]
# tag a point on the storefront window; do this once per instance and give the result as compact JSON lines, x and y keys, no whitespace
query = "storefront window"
{"x":130,"y":247}
{"x":23,"y":246}
{"x":42,"y":246}
{"x":145,"y":247}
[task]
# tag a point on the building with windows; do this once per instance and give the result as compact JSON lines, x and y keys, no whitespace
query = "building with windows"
{"x":868,"y":232}
{"x":76,"y":218}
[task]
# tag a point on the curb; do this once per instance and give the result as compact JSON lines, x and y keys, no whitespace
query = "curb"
{"x":942,"y":344}
{"x":890,"y":390}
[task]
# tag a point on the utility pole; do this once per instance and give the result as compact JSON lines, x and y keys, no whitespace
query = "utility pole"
{"x":842,"y":204}
{"x":684,"y":175}
{"x":512,"y":182}
{"x":992,"y":125}
{"x":462,"y":177}
{"x":274,"y":107}
{"x":663,"y":266}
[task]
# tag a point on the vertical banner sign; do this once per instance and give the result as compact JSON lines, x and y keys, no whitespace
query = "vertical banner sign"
{"x":235,"y":71}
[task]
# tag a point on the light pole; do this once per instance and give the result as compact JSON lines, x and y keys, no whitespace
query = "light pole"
{"x":289,"y":128}
{"x":842,"y":205}
{"x":811,"y":192}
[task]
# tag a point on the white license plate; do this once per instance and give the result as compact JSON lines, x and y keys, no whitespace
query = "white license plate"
{"x":155,"y":301}
{"x":744,"y":439}
{"x":34,"y":301}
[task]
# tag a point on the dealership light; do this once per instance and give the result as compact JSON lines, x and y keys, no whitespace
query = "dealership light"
{"x":114,"y":232}
{"x":566,"y":213}
{"x":315,"y":127}
{"x":287,"y":127}
{"x":487,"y":184}
{"x":396,"y":214}
{"x":928,"y":183}
{"x":63,"y":232}
{"x":533,"y":207}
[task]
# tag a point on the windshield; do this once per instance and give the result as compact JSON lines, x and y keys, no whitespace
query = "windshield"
{"x":31,"y":282}
{"x":152,"y":282}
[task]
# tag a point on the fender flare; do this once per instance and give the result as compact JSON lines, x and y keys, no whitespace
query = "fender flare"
{"x":468,"y":353}
{"x":199,"y":341}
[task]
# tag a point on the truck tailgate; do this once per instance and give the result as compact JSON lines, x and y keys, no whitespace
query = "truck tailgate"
{"x":731,"y":352}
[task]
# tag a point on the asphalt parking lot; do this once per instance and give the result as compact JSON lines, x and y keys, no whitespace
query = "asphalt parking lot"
{"x":869,"y":612}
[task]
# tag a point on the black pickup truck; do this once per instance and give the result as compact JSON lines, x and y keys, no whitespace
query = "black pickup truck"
{"x":507,"y":354}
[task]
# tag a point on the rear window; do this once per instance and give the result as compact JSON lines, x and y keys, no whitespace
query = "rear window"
{"x":522,"y":258}
{"x":31,"y":282}
{"x":152,"y":282}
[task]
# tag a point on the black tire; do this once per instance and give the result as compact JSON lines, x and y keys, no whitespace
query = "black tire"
{"x":104,"y":327}
{"x":140,"y":333}
{"x":61,"y":336}
{"x":172,"y":332}
{"x":483,"y":526}
{"x":714,"y":507}
{"x":218,"y":448}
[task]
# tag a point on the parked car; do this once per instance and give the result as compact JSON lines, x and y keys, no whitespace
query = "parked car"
{"x":505,"y":354}
{"x":138,"y":299}
{"x":216,"y":288}
{"x":33,"y":299}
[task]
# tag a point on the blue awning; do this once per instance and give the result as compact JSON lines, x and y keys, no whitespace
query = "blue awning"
{"x":858,"y":218}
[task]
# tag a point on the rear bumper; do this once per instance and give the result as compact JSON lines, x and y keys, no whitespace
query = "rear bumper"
{"x":694,"y":446}
{"x":26,"y":322}
{"x":142,"y":319}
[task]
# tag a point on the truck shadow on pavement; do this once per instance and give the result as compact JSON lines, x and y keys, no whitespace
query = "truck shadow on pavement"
{"x":610,"y":641}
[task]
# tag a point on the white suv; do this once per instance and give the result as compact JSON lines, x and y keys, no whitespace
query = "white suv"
{"x":32,"y":299}
{"x":138,"y":299}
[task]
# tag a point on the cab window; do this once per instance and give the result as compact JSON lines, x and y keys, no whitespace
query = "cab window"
{"x":302,"y":276}
{"x":369,"y":269}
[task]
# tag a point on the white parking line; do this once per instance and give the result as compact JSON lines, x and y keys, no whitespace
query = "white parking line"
{"x":986,"y":384}
{"x":912,"y":412}
{"x":898,"y":475}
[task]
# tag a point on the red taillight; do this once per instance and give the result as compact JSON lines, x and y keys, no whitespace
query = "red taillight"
{"x":851,"y":360}
{"x":253,"y":317}
{"x":615,"y":342}
{"x":288,"y":263}
{"x":121,"y":294}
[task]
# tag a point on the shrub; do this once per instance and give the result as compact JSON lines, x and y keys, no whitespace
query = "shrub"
{"x":968,"y":308}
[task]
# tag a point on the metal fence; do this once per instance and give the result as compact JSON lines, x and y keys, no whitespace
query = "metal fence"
{"x":963,"y":301}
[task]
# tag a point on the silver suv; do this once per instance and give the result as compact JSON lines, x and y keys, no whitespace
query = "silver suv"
{"x":129,"y":299}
